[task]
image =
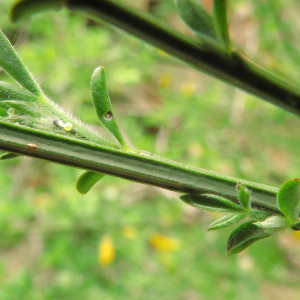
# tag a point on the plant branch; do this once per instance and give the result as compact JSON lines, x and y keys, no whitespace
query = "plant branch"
{"x":233,"y":69}
{"x":148,"y":169}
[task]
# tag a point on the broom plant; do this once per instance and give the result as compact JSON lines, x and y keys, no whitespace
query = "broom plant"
{"x":33,"y":125}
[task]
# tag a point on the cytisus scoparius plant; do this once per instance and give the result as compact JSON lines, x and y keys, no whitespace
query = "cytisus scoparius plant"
{"x":25,"y":106}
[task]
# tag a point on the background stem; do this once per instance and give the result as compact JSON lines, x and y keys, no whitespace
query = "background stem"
{"x":232,"y":69}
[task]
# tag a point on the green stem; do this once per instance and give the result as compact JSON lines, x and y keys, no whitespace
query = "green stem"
{"x":232,"y":69}
{"x":148,"y":169}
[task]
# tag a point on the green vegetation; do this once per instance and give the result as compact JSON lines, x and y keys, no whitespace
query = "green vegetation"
{"x":51,"y":233}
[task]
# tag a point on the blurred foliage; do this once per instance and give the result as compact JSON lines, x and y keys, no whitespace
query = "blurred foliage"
{"x":51,"y":236}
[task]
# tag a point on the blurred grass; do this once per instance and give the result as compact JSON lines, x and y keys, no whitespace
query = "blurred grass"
{"x":50,"y":234}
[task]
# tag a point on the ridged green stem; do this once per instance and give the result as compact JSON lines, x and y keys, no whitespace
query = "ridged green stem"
{"x":148,"y":169}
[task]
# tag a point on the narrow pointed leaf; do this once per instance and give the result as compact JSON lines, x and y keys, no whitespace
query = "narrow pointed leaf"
{"x":221,"y":23}
{"x":8,"y":155}
{"x":288,"y":199}
{"x":226,"y":221}
{"x":13,"y":92}
{"x":103,"y":105}
{"x":211,"y":202}
{"x":243,"y":196}
{"x":87,"y":180}
{"x":245,"y":235}
{"x":197,"y":18}
{"x":12,"y":64}
{"x":26,"y":8}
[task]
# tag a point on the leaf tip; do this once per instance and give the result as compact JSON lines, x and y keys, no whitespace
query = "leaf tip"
{"x":187,"y":199}
{"x":87,"y":180}
{"x":80,"y":191}
{"x":99,"y":71}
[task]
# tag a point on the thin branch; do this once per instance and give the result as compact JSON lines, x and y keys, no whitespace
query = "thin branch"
{"x":234,"y":70}
{"x":148,"y":169}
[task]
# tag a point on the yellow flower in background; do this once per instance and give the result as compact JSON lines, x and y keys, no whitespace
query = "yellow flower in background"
{"x":129,"y":231}
{"x":162,"y":242}
{"x":165,"y":80}
{"x":188,"y":89}
{"x":296,"y":235}
{"x":162,"y":53}
{"x":215,"y":214}
{"x":106,"y":251}
{"x":43,"y":200}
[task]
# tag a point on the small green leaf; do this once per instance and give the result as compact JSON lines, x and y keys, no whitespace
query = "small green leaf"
{"x":221,"y":23}
{"x":87,"y":180}
{"x":288,"y":199}
{"x":211,"y":202}
{"x":103,"y":106}
{"x":243,"y":196}
{"x":12,"y":64}
{"x":13,"y":92}
{"x":249,"y":232}
{"x":27,"y":8}
{"x":245,"y":235}
{"x":226,"y":221}
{"x":197,"y":18}
{"x":8,"y":155}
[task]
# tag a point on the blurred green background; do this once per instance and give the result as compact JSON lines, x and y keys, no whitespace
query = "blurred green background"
{"x":125,"y":240}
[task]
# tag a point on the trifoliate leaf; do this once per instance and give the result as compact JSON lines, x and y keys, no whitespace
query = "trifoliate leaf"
{"x":197,"y":18}
{"x":227,"y":220}
{"x":245,"y":235}
{"x":243,"y":196}
{"x":26,"y":8}
{"x":211,"y":203}
{"x":87,"y":180}
{"x":288,"y":199}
